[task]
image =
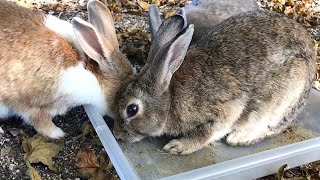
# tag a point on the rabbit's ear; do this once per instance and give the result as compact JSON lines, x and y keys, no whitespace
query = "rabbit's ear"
{"x":93,"y":43}
{"x":169,"y":60}
{"x":167,"y":31}
{"x":101,"y":18}
{"x":183,"y":13}
{"x":154,"y":20}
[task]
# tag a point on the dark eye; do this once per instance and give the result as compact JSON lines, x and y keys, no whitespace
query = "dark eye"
{"x":132,"y":110}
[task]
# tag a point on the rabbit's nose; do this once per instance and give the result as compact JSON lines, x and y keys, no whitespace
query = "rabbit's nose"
{"x":119,"y":135}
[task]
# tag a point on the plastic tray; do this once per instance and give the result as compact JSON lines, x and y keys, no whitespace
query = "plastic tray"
{"x":300,"y":144}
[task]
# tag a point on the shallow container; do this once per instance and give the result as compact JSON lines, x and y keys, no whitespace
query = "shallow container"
{"x":299,"y":144}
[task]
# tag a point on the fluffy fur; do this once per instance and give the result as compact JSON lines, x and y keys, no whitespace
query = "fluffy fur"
{"x":204,"y":14}
{"x":44,"y":71}
{"x":239,"y":82}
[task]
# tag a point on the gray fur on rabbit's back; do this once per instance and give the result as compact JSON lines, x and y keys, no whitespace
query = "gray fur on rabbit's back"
{"x":245,"y":80}
{"x":255,"y":56}
{"x":204,"y":14}
{"x":252,"y":44}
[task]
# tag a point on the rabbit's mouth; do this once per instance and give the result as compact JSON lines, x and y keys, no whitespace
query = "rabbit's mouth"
{"x":128,"y":135}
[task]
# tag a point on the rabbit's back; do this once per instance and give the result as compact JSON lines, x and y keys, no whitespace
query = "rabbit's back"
{"x":254,"y":60}
{"x":209,"y":13}
{"x":251,"y":45}
{"x":19,"y":19}
{"x":31,"y":55}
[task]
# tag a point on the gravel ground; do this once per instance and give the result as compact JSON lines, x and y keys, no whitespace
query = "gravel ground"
{"x":131,"y":25}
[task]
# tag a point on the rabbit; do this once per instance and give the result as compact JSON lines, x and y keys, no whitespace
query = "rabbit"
{"x":246,"y":80}
{"x":45,"y":70}
{"x":204,"y":14}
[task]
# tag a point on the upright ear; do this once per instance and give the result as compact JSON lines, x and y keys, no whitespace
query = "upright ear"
{"x":101,"y":18}
{"x":154,"y":20}
{"x":183,"y":13}
{"x":167,"y":31}
{"x":94,"y":44}
{"x":169,"y":59}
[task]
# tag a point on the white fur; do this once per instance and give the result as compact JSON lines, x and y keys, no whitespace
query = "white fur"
{"x":56,"y":133}
{"x":63,"y":28}
{"x":5,"y":111}
{"x":1,"y":131}
{"x":80,"y":87}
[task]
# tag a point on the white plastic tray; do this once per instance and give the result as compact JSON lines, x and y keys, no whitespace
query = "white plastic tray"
{"x":145,"y":160}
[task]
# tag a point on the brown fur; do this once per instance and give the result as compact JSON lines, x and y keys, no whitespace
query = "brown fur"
{"x":235,"y":82}
{"x":210,"y":13}
{"x":32,"y":58}
{"x":204,"y":14}
{"x":110,"y":83}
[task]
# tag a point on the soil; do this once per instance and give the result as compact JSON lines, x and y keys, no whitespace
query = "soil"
{"x":131,"y":25}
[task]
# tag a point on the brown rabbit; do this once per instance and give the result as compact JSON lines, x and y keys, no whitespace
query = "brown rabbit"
{"x":44,"y":71}
{"x":246,"y":80}
{"x":204,"y":14}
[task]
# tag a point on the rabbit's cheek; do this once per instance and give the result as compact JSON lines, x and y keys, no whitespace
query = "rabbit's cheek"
{"x":119,"y":134}
{"x":129,"y":135}
{"x":135,"y":137}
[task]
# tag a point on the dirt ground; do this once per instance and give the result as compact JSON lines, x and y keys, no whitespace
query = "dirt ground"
{"x":131,"y":25}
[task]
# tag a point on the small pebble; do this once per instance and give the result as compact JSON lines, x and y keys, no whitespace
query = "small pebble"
{"x":5,"y":151}
{"x":15,"y":131}
{"x":11,"y":166}
{"x":288,"y":174}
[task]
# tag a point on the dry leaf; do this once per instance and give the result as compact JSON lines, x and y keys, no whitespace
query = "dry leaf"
{"x":143,"y":5}
{"x":89,"y":166}
{"x":170,"y":13}
{"x":96,"y":142}
{"x":157,"y":2}
{"x":33,"y":173}
{"x":281,"y":171}
{"x":117,"y":17}
{"x":37,"y":149}
{"x":86,"y":129}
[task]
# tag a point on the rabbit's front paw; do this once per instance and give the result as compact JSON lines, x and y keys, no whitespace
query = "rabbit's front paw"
{"x":242,"y":138}
{"x":180,"y":146}
{"x":56,"y":133}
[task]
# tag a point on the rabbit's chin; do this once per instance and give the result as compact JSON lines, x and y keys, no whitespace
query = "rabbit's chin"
{"x":127,"y":136}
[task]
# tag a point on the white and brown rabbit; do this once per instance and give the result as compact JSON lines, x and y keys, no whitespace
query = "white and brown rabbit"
{"x":245,"y":80}
{"x":43,"y":70}
{"x":204,"y":14}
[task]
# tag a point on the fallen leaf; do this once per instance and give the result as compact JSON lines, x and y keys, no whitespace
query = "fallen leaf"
{"x":143,"y":5}
{"x":117,"y":17}
{"x":37,"y":149}
{"x":89,"y":166}
{"x":97,"y":142}
{"x":86,"y":129}
{"x":157,"y":2}
{"x":33,"y":173}
{"x":281,"y":171}
{"x":170,"y":13}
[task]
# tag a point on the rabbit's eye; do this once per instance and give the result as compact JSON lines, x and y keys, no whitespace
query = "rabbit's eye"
{"x":132,"y":110}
